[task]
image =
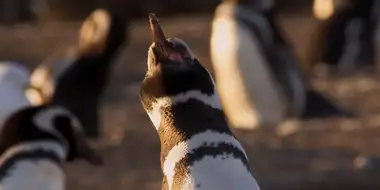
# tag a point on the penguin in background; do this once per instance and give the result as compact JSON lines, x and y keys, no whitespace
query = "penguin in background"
{"x":257,"y":73}
{"x":346,"y":40}
{"x":77,"y":81}
{"x":14,"y":80}
{"x":36,"y":142}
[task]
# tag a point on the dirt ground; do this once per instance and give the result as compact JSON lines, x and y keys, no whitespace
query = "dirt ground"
{"x":319,"y":154}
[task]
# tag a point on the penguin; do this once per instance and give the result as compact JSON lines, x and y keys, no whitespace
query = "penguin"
{"x":36,"y":142}
{"x":346,"y":40}
{"x":198,"y":149}
{"x":77,"y":82}
{"x":256,"y":70}
{"x":14,"y":80}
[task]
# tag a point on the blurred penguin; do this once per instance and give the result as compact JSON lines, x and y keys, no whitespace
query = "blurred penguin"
{"x":256,"y":70}
{"x":77,"y":80}
{"x":346,"y":39}
{"x":14,"y":79}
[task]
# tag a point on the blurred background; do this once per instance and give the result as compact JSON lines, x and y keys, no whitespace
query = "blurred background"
{"x":319,"y":154}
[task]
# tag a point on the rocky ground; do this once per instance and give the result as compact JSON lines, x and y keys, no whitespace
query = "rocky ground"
{"x":321,"y":154}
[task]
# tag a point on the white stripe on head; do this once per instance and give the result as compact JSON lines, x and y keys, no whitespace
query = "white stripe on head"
{"x":179,"y":151}
{"x":210,"y":100}
{"x":44,"y":121}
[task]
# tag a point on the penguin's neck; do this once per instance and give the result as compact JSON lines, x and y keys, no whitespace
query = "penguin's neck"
{"x":37,"y":164}
{"x":198,"y":148}
{"x":186,"y":114}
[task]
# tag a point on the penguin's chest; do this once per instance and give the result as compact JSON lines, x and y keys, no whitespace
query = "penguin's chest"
{"x":249,"y":92}
{"x":208,"y":160}
{"x":33,"y":175}
{"x":221,"y":172}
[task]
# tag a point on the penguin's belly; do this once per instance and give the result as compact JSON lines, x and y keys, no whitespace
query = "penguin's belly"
{"x":249,"y":94}
{"x":33,"y":175}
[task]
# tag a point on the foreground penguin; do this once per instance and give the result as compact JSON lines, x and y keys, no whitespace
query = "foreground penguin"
{"x":346,"y":40}
{"x":198,"y":150}
{"x":78,"y":81}
{"x":14,"y":80}
{"x":257,"y":73}
{"x":35,"y":143}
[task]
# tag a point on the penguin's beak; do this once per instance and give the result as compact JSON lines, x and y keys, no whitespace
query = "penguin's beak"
{"x":158,"y":35}
{"x":162,"y":47}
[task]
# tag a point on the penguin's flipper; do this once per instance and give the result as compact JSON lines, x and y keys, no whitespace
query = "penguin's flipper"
{"x":318,"y":106}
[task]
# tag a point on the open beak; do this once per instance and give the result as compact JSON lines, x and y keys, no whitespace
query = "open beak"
{"x":88,"y":153}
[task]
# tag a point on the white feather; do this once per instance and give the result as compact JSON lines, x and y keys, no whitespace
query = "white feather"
{"x":155,"y":115}
{"x":178,"y":152}
{"x":34,"y":174}
{"x":250,"y":96}
{"x":223,"y":172}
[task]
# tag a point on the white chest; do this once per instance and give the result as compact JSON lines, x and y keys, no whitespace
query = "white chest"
{"x":34,"y":175}
{"x":222,"y":172}
{"x":249,"y":93}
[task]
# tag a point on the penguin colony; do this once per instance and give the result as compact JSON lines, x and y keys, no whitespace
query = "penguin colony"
{"x":40,"y":130}
{"x":198,"y":149}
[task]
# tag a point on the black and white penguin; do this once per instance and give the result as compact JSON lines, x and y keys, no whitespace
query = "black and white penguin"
{"x":78,"y":81}
{"x":346,"y":40}
{"x":198,"y":150}
{"x":14,"y":79}
{"x":257,"y":72}
{"x":35,"y":142}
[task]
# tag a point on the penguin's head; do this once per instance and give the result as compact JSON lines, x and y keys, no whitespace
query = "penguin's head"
{"x":103,"y":32}
{"x":48,"y":123}
{"x":172,"y":69}
{"x":100,"y":37}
